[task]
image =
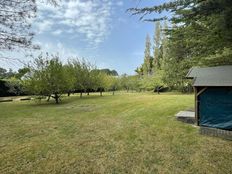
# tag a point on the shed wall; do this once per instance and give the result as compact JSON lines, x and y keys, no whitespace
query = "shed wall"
{"x":215,"y":108}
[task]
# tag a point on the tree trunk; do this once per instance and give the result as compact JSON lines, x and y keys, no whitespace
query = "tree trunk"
{"x":48,"y":98}
{"x":56,"y":98}
{"x":113,"y":92}
{"x":81,"y":95}
{"x":158,"y":90}
{"x":69,"y":94}
{"x":100,"y":93}
{"x":88,"y":93}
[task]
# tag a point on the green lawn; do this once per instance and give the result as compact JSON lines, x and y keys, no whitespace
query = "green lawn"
{"x":125,"y":133}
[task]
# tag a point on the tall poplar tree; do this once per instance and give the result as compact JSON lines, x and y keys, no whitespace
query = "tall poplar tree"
{"x":156,"y":47}
{"x":164,"y":45}
{"x":147,"y":57}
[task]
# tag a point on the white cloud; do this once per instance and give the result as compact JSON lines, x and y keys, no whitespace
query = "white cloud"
{"x":57,"y":32}
{"x":119,"y":3}
{"x":44,"y":26}
{"x":60,"y":49}
{"x":88,"y":18}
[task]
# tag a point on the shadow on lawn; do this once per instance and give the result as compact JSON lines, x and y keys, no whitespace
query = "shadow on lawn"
{"x":64,"y":100}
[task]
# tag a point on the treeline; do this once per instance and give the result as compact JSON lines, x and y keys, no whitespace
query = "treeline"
{"x":10,"y":84}
{"x":157,"y":72}
{"x":199,"y":33}
{"x":50,"y":77}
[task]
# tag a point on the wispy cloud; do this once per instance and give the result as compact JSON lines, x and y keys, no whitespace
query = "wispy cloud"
{"x":88,"y":19}
{"x":119,"y":3}
{"x":57,"y":32}
{"x":60,"y":49}
{"x":43,"y":26}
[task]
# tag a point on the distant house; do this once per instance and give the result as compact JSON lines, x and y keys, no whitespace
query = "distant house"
{"x":213,"y":96}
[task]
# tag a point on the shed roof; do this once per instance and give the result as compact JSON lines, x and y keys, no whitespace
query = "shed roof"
{"x":211,"y":76}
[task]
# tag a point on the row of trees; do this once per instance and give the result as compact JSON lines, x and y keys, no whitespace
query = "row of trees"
{"x":153,"y":62}
{"x":199,"y":33}
{"x":151,"y":72}
{"x":50,"y":77}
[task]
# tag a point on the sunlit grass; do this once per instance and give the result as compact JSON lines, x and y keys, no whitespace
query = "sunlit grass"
{"x":125,"y":133}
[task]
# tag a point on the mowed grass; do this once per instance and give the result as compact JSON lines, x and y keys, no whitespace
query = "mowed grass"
{"x":125,"y":133}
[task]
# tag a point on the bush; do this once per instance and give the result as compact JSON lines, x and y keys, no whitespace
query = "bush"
{"x":11,"y":87}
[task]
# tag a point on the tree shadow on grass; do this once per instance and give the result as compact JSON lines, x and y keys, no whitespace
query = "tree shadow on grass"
{"x":65,"y":100}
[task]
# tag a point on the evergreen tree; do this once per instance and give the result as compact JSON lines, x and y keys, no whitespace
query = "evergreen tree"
{"x":203,"y":27}
{"x":201,"y":35}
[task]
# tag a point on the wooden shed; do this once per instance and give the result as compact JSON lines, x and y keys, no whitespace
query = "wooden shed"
{"x":213,"y":96}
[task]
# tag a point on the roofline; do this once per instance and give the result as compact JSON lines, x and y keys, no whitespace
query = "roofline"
{"x":187,"y":75}
{"x":210,"y":86}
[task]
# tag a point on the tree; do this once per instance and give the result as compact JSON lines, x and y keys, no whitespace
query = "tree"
{"x":164,"y":45}
{"x":69,"y":73}
{"x":201,"y":35}
{"x":2,"y":73}
{"x":124,"y":82}
{"x":100,"y":81}
{"x":15,"y":25}
{"x":139,"y":71}
{"x":157,"y":44}
{"x":82,"y":71}
{"x":15,"y":20}
{"x":109,"y":72}
{"x":112,"y":83}
{"x":47,"y":78}
{"x":88,"y":77}
{"x":204,"y":27}
{"x":147,"y":69}
{"x":15,"y":86}
{"x":21,"y":72}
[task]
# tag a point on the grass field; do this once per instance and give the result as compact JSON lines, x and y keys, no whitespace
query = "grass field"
{"x":125,"y":133}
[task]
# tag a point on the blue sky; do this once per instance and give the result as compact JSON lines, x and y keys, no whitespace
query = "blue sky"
{"x":98,"y":30}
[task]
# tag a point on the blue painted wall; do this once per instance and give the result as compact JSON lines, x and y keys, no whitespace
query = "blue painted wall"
{"x":215,"y":108}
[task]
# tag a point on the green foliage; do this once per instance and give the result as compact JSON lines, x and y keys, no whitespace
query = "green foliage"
{"x":112,"y":83}
{"x":22,"y":72}
{"x":157,"y":45}
{"x":109,"y":72}
{"x":149,"y":83}
{"x":69,"y":73}
{"x":125,"y":82}
{"x":47,"y":78}
{"x":201,"y":35}
{"x":82,"y":76}
{"x":4,"y":74}
{"x":219,"y":58}
{"x":101,"y":81}
{"x":15,"y":86}
{"x":147,"y":65}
